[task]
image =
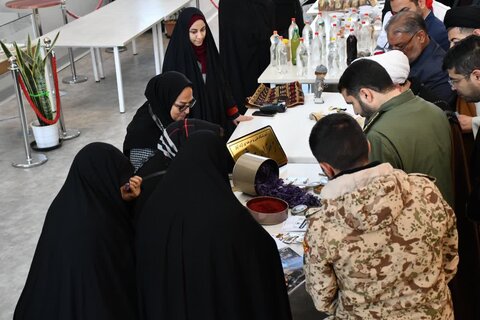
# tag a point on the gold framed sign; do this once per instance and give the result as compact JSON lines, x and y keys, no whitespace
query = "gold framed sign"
{"x":262,"y":142}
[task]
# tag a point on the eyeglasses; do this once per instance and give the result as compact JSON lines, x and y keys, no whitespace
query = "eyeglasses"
{"x":183,"y":107}
{"x":453,"y":82}
{"x":389,"y":47}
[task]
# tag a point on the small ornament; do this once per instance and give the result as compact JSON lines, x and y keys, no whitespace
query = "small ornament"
{"x":320,"y":73}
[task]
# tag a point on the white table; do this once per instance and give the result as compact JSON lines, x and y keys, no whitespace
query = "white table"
{"x":271,"y":75}
{"x":310,"y":171}
{"x":293,"y":127}
{"x":116,"y":24}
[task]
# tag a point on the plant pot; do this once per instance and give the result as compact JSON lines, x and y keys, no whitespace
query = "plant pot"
{"x":45,"y":136}
{"x":169,"y":26}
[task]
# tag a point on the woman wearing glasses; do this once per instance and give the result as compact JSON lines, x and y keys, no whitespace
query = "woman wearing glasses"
{"x":169,"y":98}
{"x":156,"y":131}
{"x":192,"y":51}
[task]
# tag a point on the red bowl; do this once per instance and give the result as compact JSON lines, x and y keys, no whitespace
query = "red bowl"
{"x":268,"y":210}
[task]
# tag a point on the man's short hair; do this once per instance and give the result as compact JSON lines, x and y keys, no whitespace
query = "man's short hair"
{"x":406,"y":22}
{"x":338,"y":140}
{"x":464,"y":56}
{"x":365,"y":73}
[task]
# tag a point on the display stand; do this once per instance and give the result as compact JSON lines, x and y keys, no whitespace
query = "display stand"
{"x":74,"y":78}
{"x":31,"y":159}
{"x":34,"y":5}
{"x":66,"y":134}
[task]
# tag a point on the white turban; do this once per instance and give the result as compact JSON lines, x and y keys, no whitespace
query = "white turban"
{"x":396,"y":64}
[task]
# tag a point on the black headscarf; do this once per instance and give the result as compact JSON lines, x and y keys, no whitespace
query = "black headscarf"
{"x":200,"y":254}
{"x":213,"y":96}
{"x":83,"y":267}
{"x":179,"y":132}
{"x":161,"y":92}
{"x":245,"y":29}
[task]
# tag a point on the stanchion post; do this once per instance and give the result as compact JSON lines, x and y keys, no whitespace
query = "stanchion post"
{"x":31,"y":159}
{"x":74,"y":78}
{"x":66,"y":134}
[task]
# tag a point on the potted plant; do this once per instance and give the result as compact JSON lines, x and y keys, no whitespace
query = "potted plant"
{"x":31,"y":65}
{"x":169,"y":23}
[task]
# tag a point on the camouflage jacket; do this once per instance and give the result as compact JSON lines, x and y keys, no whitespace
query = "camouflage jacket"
{"x":383,"y":246}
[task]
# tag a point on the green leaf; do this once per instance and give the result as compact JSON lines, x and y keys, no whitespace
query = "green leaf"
{"x":5,"y":50}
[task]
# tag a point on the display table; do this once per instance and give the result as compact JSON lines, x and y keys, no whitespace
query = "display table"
{"x":310,"y":171}
{"x":271,"y":75}
{"x":115,"y":25}
{"x":293,"y":127}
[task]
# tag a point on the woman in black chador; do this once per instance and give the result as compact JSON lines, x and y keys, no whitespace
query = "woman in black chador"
{"x":192,"y":51}
{"x":245,"y":28}
{"x":169,"y":99}
{"x":200,"y":254}
{"x":84,"y":267}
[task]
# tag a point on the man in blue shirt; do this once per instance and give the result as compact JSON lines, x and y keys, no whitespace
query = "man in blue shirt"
{"x":407,"y":32}
{"x":435,"y":28}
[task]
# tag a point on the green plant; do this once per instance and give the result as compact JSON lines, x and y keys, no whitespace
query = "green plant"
{"x":32,"y":69}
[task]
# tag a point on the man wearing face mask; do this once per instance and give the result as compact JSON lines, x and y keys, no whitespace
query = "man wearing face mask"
{"x":403,"y":129}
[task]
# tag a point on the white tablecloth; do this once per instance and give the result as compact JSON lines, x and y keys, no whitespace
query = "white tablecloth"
{"x":293,"y":127}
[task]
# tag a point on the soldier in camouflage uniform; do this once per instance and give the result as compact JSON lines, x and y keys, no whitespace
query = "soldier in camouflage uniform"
{"x":384,"y":244}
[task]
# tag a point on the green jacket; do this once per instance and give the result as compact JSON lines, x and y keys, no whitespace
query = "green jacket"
{"x":413,"y":135}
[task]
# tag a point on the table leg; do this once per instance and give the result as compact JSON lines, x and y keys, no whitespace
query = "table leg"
{"x":155,"y":49}
{"x":160,"y":43}
{"x":134,"y":47}
{"x":100,"y":63}
{"x":94,"y":64}
{"x":118,"y":72}
{"x":37,"y":26}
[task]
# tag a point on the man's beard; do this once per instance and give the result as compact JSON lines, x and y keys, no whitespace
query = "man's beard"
{"x":367,"y":111}
{"x":472,"y":98}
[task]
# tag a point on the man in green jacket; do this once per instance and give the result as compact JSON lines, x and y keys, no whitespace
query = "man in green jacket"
{"x":403,"y":129}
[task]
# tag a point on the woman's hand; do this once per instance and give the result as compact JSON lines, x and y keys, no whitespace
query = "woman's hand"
{"x":241,"y":118}
{"x":131,"y":190}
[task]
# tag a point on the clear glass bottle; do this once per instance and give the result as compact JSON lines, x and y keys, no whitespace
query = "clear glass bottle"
{"x":333,"y":59}
{"x":364,"y":40}
{"x":341,"y":44}
{"x":293,"y":26}
{"x":282,"y":50}
{"x":320,"y":25}
{"x":274,"y":39}
{"x":377,"y":29}
{"x":316,"y":51}
{"x":302,"y":59}
{"x":307,"y":35}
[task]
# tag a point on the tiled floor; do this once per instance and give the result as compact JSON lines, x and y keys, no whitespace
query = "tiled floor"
{"x":26,"y":193}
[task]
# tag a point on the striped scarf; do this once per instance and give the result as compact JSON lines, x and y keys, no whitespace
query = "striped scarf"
{"x":165,"y":144}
